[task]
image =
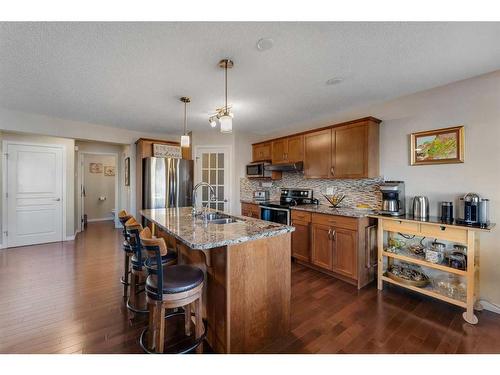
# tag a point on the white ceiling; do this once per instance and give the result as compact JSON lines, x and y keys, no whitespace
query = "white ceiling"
{"x":130,"y":75}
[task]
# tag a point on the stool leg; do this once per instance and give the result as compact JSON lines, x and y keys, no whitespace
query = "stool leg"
{"x":126,"y":269}
{"x":152,"y":329}
{"x":198,"y":322}
{"x":133,"y":296}
{"x":187,"y":319}
{"x":160,"y":325}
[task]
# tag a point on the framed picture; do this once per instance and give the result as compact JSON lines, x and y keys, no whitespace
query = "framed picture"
{"x":109,"y":170}
{"x":95,"y":167}
{"x":438,"y":146}
{"x":127,"y":171}
{"x":166,"y":151}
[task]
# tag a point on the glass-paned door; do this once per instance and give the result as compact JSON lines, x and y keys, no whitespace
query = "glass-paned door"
{"x":213,"y":165}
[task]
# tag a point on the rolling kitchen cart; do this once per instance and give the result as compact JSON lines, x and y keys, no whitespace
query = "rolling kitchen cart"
{"x":433,"y":229}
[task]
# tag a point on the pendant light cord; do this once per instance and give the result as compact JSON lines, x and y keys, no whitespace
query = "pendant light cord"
{"x":225,"y":74}
{"x":185,"y":117}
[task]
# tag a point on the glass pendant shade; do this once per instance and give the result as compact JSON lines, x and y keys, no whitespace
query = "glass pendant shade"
{"x":226,"y":124}
{"x":185,"y":141}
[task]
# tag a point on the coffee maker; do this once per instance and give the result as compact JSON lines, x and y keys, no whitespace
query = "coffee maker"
{"x":393,"y":198}
{"x":473,"y":210}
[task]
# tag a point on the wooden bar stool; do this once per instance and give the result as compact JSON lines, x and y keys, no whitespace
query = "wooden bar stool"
{"x":170,"y":288}
{"x":123,"y":216}
{"x":140,"y":265}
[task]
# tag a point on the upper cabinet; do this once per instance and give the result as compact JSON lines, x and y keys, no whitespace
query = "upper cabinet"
{"x":261,"y":151}
{"x":347,"y":150}
{"x":288,"y":150}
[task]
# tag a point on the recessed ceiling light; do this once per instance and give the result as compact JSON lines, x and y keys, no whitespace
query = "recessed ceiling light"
{"x":265,"y":44}
{"x":334,"y":81}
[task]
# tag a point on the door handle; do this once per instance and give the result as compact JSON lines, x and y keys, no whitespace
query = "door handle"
{"x":57,"y":199}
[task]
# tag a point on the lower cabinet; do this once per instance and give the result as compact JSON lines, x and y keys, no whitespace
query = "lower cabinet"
{"x":300,"y":240}
{"x":342,"y":247}
{"x":250,"y":210}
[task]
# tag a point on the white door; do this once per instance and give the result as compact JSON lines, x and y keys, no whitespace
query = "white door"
{"x":212,"y":166}
{"x":34,"y":195}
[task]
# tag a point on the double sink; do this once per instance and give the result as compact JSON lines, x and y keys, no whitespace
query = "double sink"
{"x":218,"y":218}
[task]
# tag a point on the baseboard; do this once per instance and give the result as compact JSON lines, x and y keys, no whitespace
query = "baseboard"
{"x":490,"y":306}
{"x":70,"y":238}
{"x":101,"y":219}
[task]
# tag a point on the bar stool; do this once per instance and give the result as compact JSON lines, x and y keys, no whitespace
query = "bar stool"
{"x":140,"y":267}
{"x":170,"y":288}
{"x":123,"y":216}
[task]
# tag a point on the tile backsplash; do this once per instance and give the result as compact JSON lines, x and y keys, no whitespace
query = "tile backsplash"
{"x":356,"y":191}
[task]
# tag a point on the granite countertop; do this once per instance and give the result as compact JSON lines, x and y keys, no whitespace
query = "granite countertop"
{"x":179,"y":222}
{"x":252,"y":201}
{"x":340,"y":211}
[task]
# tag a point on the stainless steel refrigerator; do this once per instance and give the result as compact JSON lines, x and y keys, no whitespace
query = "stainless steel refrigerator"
{"x":167,"y":182}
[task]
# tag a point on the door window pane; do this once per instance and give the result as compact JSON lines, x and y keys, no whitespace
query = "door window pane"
{"x":221,"y":177}
{"x":204,"y":193}
{"x":213,"y":161}
{"x":205,"y":175}
{"x":220,"y":158}
{"x":220,"y":193}
{"x":220,"y":206}
{"x":213,"y":177}
{"x":204,"y":160}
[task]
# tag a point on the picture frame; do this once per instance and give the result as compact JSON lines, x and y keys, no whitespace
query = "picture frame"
{"x":109,"y":170}
{"x":439,"y":146}
{"x":127,"y":171}
{"x":95,"y":167}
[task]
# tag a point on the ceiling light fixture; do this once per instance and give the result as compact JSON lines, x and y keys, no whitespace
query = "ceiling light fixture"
{"x":223,"y":115}
{"x":264,"y":44}
{"x":334,"y":81}
{"x":185,"y":141}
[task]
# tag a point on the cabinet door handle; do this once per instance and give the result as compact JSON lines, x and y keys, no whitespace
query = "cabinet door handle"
{"x":333,"y":234}
{"x":332,"y":170}
{"x":330,"y":234}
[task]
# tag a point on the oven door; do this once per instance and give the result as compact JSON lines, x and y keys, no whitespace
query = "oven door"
{"x":276,"y":215}
{"x":255,"y":170}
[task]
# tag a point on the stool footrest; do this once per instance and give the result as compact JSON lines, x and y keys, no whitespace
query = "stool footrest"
{"x":197,"y":342}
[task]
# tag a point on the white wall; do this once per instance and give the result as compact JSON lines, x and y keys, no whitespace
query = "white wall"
{"x":69,"y":145}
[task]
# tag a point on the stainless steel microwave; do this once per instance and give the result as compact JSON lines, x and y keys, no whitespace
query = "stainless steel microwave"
{"x":258,"y":170}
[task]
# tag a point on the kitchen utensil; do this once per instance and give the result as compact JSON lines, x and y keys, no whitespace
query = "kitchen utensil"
{"x":420,"y":207}
{"x":407,"y":275}
{"x":484,"y":212}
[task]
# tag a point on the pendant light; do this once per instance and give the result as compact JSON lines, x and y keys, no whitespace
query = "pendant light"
{"x":185,"y":141}
{"x":226,"y":117}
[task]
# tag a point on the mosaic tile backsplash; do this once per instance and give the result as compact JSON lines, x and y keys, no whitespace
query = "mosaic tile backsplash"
{"x":356,"y":191}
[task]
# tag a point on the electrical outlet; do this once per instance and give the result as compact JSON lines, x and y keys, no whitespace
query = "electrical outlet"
{"x":329,"y":191}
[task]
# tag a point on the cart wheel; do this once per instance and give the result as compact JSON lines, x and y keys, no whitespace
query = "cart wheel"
{"x":474,"y":319}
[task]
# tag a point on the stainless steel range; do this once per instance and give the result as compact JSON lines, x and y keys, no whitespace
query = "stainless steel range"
{"x":279,"y":211}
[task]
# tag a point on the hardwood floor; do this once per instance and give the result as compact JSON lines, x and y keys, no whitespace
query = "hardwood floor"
{"x":66,"y":298}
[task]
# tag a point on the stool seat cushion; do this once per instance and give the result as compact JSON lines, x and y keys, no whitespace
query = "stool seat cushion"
{"x":176,"y":279}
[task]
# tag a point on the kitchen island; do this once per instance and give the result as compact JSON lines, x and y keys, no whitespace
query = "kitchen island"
{"x":247,"y":274}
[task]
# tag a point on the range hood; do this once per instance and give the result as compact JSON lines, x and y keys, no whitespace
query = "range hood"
{"x":287,"y":167}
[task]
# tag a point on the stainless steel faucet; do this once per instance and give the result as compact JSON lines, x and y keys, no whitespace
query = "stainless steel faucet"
{"x":212,"y":195}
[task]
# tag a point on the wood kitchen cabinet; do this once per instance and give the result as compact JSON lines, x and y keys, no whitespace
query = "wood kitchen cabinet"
{"x":261,"y":151}
{"x":250,"y":210}
{"x":344,"y":151}
{"x":288,"y":150}
{"x":301,"y":237}
{"x":343,"y":247}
